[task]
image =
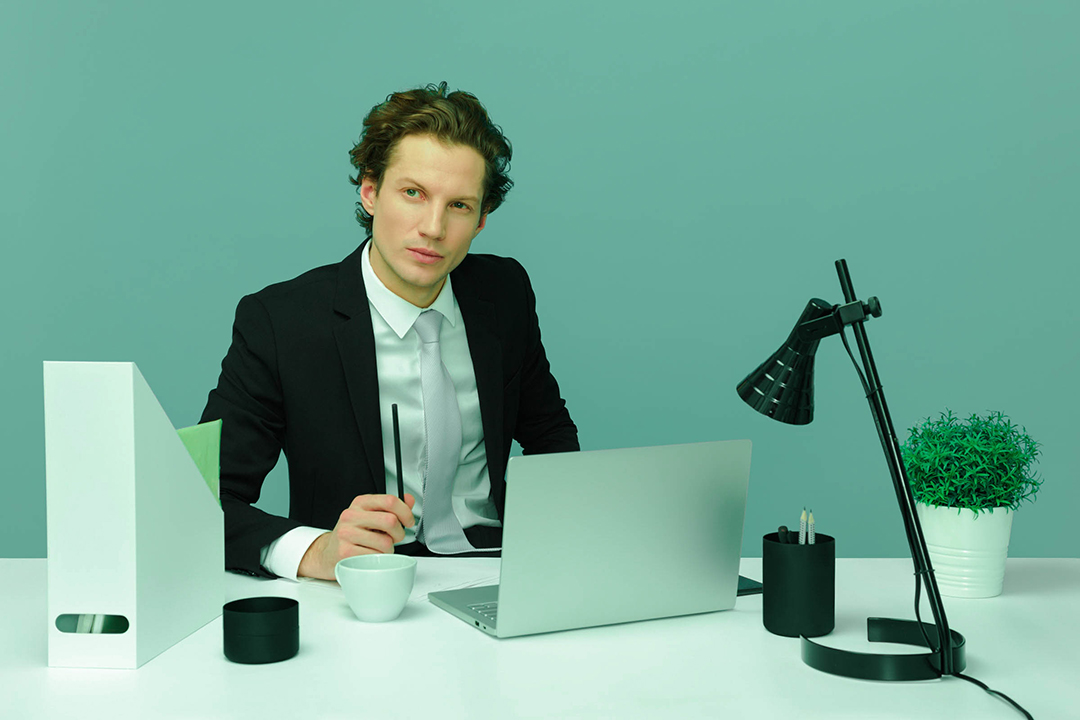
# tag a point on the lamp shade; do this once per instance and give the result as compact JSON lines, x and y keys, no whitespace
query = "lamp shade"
{"x":782,"y":387}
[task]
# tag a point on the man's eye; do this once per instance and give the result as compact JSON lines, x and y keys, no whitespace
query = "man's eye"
{"x":412,"y":192}
{"x":461,"y":206}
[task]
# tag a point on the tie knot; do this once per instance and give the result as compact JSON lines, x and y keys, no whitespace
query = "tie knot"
{"x":428,"y":325}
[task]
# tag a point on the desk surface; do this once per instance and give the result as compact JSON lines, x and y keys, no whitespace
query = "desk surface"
{"x":428,"y":664}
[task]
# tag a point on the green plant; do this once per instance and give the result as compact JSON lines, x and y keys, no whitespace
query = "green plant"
{"x":979,"y":463}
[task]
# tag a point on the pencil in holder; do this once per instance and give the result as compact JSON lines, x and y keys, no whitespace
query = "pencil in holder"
{"x":799,"y":594}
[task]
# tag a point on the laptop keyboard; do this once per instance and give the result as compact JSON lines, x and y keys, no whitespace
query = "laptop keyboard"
{"x":489,"y":610}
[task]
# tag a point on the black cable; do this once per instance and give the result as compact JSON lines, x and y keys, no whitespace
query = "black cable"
{"x":918,"y":617}
{"x":862,"y":378}
{"x":918,"y":587}
{"x":990,"y":690}
{"x":918,"y":577}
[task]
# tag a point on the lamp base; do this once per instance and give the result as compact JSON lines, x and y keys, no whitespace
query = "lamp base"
{"x":874,"y":666}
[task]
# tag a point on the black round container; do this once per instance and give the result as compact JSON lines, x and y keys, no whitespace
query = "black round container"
{"x":799,"y":586}
{"x":261,"y":629}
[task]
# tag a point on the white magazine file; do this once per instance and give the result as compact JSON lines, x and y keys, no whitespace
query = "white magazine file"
{"x":135,"y":532}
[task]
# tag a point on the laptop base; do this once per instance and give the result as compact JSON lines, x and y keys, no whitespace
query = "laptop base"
{"x":478,"y":606}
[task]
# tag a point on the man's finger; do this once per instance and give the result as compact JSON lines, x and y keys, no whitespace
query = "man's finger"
{"x":373,"y":540}
{"x":383,"y":522}
{"x":388,"y":504}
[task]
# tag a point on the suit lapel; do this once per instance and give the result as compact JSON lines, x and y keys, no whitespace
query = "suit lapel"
{"x":356,"y":346}
{"x":486,"y":350}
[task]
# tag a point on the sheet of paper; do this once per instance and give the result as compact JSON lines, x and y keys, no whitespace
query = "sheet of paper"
{"x":203,"y":443}
{"x":435,"y":574}
{"x":324,"y":584}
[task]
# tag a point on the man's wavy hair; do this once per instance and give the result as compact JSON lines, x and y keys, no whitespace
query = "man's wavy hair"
{"x":456,"y":118}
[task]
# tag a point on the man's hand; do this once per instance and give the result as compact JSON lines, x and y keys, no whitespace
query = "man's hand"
{"x":371,"y":524}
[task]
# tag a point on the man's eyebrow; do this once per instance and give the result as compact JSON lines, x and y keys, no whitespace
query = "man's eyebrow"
{"x":409,"y":181}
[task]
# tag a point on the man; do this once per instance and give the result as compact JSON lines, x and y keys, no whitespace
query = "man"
{"x":408,"y":319}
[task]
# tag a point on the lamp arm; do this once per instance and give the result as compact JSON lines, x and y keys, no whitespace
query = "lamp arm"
{"x":887,"y":435}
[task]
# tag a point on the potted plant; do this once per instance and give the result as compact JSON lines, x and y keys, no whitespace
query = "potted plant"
{"x":968,"y":478}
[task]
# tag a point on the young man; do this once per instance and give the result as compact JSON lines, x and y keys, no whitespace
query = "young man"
{"x":408,"y":319}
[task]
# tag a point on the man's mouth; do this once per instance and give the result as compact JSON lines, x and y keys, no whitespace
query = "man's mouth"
{"x":428,"y":257}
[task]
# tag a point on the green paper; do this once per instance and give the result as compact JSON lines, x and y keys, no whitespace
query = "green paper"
{"x":203,"y":443}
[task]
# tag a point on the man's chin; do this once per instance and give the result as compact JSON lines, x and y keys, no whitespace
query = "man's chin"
{"x":426,"y":277}
{"x":426,"y":287}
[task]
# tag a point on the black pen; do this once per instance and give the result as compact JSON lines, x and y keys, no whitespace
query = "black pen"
{"x":397,"y":454}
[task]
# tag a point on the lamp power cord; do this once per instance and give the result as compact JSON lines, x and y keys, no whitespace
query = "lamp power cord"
{"x":929,"y":644}
{"x":918,"y":579}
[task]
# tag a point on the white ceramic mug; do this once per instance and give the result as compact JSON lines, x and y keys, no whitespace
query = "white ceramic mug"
{"x":376,"y":586}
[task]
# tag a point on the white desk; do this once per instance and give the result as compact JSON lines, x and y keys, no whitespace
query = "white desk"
{"x":428,"y":664}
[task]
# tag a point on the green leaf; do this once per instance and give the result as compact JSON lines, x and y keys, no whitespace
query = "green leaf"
{"x":978,"y":463}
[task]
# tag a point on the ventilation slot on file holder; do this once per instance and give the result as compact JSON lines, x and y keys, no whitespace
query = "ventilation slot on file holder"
{"x":87,"y":624}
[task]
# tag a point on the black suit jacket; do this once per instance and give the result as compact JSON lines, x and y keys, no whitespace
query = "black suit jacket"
{"x":300,"y":376}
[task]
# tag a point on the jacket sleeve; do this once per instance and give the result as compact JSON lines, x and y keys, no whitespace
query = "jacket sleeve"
{"x":248,"y":400}
{"x":543,"y":423}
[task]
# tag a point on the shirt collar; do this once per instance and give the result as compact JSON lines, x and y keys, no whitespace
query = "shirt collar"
{"x":400,"y":314}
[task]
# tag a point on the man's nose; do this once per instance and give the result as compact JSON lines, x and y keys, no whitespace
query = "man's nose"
{"x":433,"y":223}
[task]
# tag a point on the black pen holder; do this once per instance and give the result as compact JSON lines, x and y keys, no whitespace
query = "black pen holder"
{"x":799,"y":593}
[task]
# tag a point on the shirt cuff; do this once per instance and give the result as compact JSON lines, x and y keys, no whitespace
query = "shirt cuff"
{"x":282,"y":557}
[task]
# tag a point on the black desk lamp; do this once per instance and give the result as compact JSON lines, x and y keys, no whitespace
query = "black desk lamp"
{"x":783,"y":388}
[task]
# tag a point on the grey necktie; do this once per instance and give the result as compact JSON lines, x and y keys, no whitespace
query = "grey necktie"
{"x":439,"y":527}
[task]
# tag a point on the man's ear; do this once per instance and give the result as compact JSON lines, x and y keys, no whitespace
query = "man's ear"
{"x":368,"y":193}
{"x":483,"y":221}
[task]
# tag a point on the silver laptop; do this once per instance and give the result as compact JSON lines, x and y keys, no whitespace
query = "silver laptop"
{"x":613,"y":536}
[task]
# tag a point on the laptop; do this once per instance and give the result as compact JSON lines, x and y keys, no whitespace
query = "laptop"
{"x":612,"y":536}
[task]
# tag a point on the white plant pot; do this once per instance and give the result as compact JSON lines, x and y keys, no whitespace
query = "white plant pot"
{"x":967,"y":550}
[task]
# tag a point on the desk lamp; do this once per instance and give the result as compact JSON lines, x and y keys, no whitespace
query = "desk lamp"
{"x":783,"y":388}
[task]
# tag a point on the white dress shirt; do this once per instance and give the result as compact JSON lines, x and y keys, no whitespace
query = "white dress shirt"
{"x":397,"y":360}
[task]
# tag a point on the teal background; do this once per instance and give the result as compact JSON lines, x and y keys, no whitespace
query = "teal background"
{"x":686,"y":174}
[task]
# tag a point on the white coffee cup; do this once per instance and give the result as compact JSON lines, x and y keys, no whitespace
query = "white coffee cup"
{"x":376,"y":586}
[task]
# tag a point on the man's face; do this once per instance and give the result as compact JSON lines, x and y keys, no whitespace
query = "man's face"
{"x":425,"y":216}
